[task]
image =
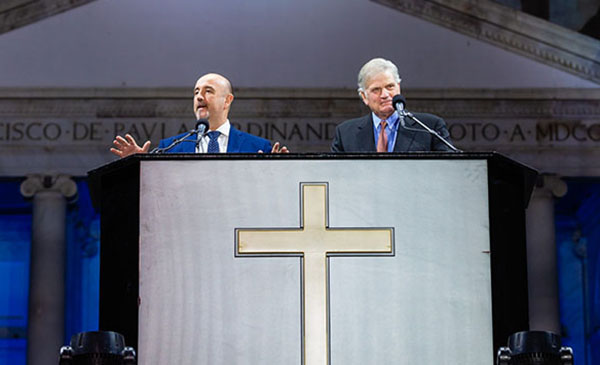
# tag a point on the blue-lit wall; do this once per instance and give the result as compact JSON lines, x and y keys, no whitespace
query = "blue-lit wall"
{"x":578,"y":245}
{"x":15,"y":238}
{"x":82,"y":273}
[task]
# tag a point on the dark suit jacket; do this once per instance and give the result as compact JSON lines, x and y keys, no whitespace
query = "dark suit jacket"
{"x":239,"y":142}
{"x":356,"y":135}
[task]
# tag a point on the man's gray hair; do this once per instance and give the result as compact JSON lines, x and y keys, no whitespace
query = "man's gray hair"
{"x":374,"y":67}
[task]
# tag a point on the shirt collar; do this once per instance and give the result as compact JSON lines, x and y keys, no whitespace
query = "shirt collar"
{"x":225,"y":128}
{"x":392,"y":121}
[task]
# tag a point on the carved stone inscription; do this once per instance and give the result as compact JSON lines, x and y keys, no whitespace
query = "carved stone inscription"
{"x":92,"y":131}
{"x":555,"y":131}
{"x":558,"y":133}
{"x":314,"y":133}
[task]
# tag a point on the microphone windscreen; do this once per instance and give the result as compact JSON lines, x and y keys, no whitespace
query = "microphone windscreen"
{"x":399,"y":99}
{"x":202,"y":122}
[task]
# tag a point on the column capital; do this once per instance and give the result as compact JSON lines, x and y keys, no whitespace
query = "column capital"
{"x":551,"y":185}
{"x":60,"y":183}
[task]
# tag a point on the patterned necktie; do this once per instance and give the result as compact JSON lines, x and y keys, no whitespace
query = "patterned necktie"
{"x":382,"y":141}
{"x":213,"y":144}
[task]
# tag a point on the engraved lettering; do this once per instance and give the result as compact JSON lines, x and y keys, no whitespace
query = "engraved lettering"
{"x":490,"y":132}
{"x":295,"y":132}
{"x":457,"y":131}
{"x":517,"y":132}
{"x":30,"y":135}
{"x":95,"y":131}
{"x":281,"y":133}
{"x":580,"y":138}
{"x":318,"y":134}
{"x":542,"y":132}
{"x":80,"y":131}
{"x":52,"y":131}
{"x":147,"y":132}
{"x":562,"y":132}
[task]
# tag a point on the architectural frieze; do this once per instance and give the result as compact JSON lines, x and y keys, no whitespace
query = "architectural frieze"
{"x":512,"y":30}
{"x":555,"y":130}
{"x":18,"y":13}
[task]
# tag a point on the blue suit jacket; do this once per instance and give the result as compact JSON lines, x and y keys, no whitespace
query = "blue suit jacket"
{"x":239,"y":142}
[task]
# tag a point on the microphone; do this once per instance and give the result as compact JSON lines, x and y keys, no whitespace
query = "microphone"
{"x":399,"y":103}
{"x":201,"y":126}
{"x":200,"y":130}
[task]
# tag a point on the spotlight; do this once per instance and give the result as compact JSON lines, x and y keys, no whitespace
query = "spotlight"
{"x":534,"y":348}
{"x":97,"y":348}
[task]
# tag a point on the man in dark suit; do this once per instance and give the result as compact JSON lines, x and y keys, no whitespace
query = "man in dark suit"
{"x":213,"y":96}
{"x":382,"y":130}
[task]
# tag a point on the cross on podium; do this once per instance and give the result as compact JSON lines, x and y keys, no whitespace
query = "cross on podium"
{"x":314,"y":241}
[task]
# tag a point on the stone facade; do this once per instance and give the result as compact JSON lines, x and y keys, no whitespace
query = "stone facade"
{"x":70,"y":130}
{"x":18,"y":13}
{"x":512,"y":30}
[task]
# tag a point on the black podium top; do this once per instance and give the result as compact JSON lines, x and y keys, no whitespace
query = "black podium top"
{"x":519,"y":173}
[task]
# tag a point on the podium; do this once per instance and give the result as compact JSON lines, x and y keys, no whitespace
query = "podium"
{"x":313,"y":259}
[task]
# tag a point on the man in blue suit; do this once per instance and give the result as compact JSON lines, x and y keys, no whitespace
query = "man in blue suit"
{"x":213,"y":96}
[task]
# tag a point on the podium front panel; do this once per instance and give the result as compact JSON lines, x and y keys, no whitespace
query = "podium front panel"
{"x":429,"y":302}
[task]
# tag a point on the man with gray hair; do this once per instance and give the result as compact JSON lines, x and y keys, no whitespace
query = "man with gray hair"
{"x":382,"y":130}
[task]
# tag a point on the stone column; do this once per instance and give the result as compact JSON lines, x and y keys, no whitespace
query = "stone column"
{"x":45,"y":326}
{"x":541,"y":255}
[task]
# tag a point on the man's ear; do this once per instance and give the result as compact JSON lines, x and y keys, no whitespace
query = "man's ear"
{"x":363,"y":97}
{"x":228,"y":100}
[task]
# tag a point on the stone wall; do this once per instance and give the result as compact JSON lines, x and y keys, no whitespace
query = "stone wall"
{"x":70,"y":130}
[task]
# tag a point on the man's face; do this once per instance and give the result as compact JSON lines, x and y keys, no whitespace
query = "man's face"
{"x":379,"y":91}
{"x":212,"y":97}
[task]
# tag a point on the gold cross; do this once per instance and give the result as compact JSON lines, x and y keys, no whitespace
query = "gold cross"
{"x":314,"y":241}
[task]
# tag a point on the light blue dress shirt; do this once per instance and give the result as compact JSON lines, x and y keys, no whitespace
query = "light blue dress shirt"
{"x":391,"y":129}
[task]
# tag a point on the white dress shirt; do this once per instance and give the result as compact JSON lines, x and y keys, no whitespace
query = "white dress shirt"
{"x":223,"y":139}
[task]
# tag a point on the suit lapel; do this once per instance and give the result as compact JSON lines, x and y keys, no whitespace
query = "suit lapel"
{"x":404,"y":138}
{"x":364,"y":132}
{"x":235,"y":140}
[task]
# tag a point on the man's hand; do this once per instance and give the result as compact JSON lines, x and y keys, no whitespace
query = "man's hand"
{"x":277,"y":149}
{"x":124,"y":147}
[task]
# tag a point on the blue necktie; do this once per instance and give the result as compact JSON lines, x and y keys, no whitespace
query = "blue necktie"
{"x":213,"y":144}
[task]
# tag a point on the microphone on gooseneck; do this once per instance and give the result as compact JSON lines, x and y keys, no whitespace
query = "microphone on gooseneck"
{"x":399,"y":103}
{"x":200,"y":130}
{"x":201,"y":126}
